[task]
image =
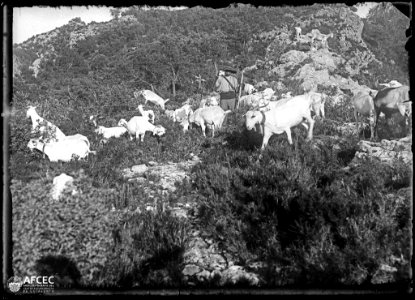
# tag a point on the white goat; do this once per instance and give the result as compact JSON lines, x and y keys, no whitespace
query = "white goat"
{"x":146,"y":113}
{"x":138,"y":125}
{"x":93,"y":120}
{"x":63,"y":150}
{"x":152,"y":97}
{"x":391,"y":84}
{"x":317,"y":104}
{"x":249,"y":89}
{"x":46,"y":128}
{"x":286,"y":95}
{"x":363,"y":106}
{"x":317,"y":35}
{"x":209,"y":101}
{"x":211,"y":116}
{"x":267,"y":93}
{"x":289,"y":113}
{"x":110,"y":132}
{"x":170,"y":114}
{"x":182,"y":113}
{"x":249,"y":100}
{"x":297,"y":32}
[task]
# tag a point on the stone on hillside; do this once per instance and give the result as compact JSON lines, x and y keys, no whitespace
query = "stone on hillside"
{"x":191,"y":270}
{"x":235,"y":274}
{"x":139,"y":169}
{"x":386,"y":151}
{"x":324,"y":59}
{"x":203,"y":276}
{"x":292,"y":57}
{"x":60,"y":183}
{"x":138,"y":180}
{"x":312,"y":77}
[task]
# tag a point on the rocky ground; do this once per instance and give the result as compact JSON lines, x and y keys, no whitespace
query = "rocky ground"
{"x":204,"y":262}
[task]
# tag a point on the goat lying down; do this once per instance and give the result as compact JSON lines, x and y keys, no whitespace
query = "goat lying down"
{"x":138,"y":125}
{"x":210,"y":116}
{"x":63,"y":150}
{"x":281,"y":118}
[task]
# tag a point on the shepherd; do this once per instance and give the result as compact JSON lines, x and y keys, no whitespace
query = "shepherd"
{"x":226,"y":85}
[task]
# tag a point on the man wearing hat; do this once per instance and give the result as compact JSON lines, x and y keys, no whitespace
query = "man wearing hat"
{"x":226,"y":85}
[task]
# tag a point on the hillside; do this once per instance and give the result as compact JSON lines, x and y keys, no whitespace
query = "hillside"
{"x":371,"y":49}
{"x":187,"y":211}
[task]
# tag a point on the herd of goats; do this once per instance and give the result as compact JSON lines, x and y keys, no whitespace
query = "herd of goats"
{"x":267,"y":115}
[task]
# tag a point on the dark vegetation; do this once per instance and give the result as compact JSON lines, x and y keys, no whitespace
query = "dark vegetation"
{"x":294,"y":207}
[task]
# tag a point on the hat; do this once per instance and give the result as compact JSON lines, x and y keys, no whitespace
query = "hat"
{"x":228,"y":69}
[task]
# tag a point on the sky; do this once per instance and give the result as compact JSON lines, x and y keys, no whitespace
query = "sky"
{"x":30,"y":21}
{"x":363,"y":8}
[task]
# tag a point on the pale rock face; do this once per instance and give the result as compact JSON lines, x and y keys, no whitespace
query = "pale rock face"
{"x":386,"y":151}
{"x":60,"y":183}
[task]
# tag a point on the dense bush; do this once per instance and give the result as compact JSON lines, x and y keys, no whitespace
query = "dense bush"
{"x":149,"y":248}
{"x":78,"y":227}
{"x":298,"y":210}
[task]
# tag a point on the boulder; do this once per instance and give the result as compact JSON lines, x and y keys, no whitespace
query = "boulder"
{"x":60,"y":183}
{"x":387,"y":151}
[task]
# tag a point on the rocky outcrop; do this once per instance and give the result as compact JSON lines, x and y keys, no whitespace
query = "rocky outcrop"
{"x":387,"y":151}
{"x":205,"y":262}
{"x":168,"y":173}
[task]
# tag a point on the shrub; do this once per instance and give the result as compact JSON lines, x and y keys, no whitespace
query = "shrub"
{"x":147,"y":243}
{"x":78,"y":227}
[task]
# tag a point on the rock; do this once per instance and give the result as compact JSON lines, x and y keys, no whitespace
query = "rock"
{"x":234,"y":274}
{"x":292,"y":57}
{"x":203,"y":276}
{"x":152,"y":163}
{"x":138,"y":179}
{"x":324,"y":59}
{"x":190,"y":270}
{"x":387,"y":268}
{"x":255,"y":266}
{"x":179,"y":213}
{"x":386,"y":151}
{"x":60,"y":183}
{"x":139,"y":169}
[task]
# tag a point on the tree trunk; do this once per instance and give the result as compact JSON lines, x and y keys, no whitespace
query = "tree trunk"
{"x":173,"y":86}
{"x":174,"y":80}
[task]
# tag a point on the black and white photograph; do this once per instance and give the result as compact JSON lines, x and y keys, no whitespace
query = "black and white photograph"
{"x":177,"y":149}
